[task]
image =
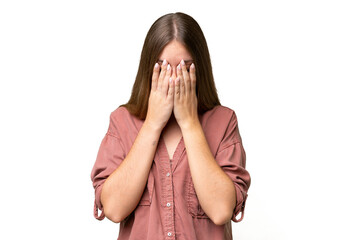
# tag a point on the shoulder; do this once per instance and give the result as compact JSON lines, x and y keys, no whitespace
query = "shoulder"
{"x":224,"y":110}
{"x":120,"y":112}
{"x":221,"y":115}
{"x":220,"y":127}
{"x":219,"y":120}
{"x":120,"y":120}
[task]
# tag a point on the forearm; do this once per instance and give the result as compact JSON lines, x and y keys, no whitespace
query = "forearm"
{"x":123,"y":189}
{"x":215,"y":190}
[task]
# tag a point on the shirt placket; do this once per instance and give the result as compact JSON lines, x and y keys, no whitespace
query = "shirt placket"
{"x":167,"y":195}
{"x":167,"y":170}
{"x":169,"y":207}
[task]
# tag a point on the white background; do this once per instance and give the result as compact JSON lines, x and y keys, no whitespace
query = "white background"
{"x":289,"y":69}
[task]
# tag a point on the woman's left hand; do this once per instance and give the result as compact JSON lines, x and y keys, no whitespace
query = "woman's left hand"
{"x":185,"y":100}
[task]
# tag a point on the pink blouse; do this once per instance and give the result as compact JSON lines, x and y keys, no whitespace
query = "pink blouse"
{"x":169,"y":207}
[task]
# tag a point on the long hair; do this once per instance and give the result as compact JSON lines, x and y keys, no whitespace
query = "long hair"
{"x":183,"y":28}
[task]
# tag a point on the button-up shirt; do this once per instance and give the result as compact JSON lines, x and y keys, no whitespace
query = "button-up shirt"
{"x":169,"y":207}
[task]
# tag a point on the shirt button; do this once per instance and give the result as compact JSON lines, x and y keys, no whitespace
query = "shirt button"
{"x":169,"y":233}
{"x":168,"y":204}
{"x":168,"y":174}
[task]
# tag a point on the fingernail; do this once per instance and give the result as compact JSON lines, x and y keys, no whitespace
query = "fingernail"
{"x":192,"y":65}
{"x":178,"y":67}
{"x":182,"y":62}
{"x":164,"y":62}
{"x":156,"y":65}
{"x":170,"y":79}
{"x":168,"y":67}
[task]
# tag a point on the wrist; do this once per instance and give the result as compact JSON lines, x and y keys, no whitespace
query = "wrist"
{"x":190,"y":125}
{"x":151,"y":127}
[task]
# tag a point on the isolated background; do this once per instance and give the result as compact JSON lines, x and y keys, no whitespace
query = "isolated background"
{"x":289,"y":69}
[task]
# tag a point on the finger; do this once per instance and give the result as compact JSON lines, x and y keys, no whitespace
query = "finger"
{"x":186,"y":78}
{"x":180,"y":78}
{"x":155,"y":76}
{"x":165,"y":83}
{"x":162,"y":74}
{"x":182,"y":88}
{"x":193,"y":77}
{"x":171,"y":89}
{"x":179,"y":71}
{"x":177,"y":89}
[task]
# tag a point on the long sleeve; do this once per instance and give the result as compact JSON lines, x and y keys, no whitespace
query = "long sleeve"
{"x":231,"y":157}
{"x":109,"y":157}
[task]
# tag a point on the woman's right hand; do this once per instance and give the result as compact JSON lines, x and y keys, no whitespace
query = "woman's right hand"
{"x":161,"y":99}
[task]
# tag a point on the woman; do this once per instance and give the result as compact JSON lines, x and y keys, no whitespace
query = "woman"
{"x":172,"y":163}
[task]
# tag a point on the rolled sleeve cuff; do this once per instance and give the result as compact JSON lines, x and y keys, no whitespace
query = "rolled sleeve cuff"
{"x":240,"y":204}
{"x":98,"y":205}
